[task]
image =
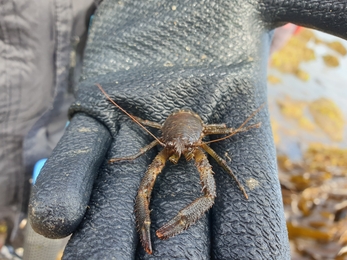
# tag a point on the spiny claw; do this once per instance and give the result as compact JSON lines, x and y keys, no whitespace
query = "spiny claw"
{"x":173,"y":227}
{"x":146,"y":240}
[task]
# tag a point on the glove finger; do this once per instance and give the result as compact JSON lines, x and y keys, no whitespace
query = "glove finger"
{"x":253,"y":228}
{"x":108,"y":230}
{"x":62,"y":191}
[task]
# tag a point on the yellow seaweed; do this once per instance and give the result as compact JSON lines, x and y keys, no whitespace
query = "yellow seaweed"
{"x":319,"y":157}
{"x":331,"y":60}
{"x":289,"y":58}
{"x":328,"y":117}
{"x":338,"y":47}
{"x":294,"y":109}
{"x":299,"y":231}
{"x":296,"y":51}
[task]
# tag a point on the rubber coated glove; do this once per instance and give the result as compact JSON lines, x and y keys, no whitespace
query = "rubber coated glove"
{"x":153,"y":57}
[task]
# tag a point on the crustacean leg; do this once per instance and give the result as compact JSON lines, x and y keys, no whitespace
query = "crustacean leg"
{"x":190,"y":214}
{"x":148,"y":123}
{"x":144,"y":196}
{"x":224,"y":165}
{"x":133,"y":157}
{"x":223,"y":129}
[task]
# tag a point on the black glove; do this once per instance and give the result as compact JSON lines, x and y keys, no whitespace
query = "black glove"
{"x":153,"y":57}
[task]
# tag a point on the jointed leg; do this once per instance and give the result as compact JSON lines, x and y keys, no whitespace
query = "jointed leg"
{"x":219,"y":129}
{"x":190,"y":214}
{"x":144,"y":196}
{"x":214,"y":127}
{"x":148,"y":123}
{"x":133,"y":157}
{"x":224,"y":165}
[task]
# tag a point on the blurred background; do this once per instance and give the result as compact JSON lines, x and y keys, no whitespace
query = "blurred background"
{"x":307,"y":74}
{"x":307,"y":78}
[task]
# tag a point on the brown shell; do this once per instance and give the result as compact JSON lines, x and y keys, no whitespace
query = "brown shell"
{"x":181,"y":129}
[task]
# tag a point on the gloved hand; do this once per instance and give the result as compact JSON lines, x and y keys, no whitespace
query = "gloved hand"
{"x":153,"y":57}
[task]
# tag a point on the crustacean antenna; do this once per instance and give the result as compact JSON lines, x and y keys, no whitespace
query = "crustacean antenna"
{"x":125,"y":112}
{"x":240,"y":127}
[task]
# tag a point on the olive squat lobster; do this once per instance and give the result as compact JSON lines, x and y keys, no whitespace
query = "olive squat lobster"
{"x":182,"y":134}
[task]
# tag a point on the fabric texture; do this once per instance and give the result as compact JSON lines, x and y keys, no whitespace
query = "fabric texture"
{"x":35,"y":48}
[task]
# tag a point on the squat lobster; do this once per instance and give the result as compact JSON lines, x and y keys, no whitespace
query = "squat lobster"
{"x":182,"y":134}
